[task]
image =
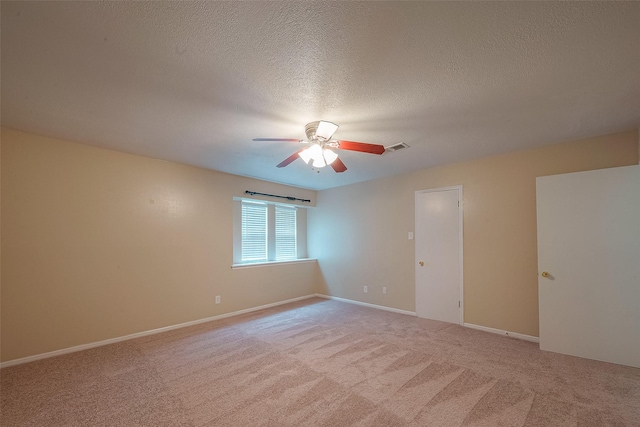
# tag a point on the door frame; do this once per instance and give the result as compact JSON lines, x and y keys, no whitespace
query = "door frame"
{"x":458,"y":188}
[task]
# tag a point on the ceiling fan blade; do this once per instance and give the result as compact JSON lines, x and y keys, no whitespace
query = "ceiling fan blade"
{"x":361,"y":146}
{"x":288,"y":160}
{"x":278,"y":139}
{"x":338,"y":166}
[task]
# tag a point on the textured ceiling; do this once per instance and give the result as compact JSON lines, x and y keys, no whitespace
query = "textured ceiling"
{"x":195,"y":82}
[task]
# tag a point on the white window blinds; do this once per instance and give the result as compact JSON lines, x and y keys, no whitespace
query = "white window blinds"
{"x":285,"y":233}
{"x":254,"y":232}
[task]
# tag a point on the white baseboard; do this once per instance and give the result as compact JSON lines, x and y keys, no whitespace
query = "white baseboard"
{"x":412,"y":313}
{"x":237,"y":313}
{"x":143,"y":334}
{"x":366,"y":304}
{"x":501,"y":332}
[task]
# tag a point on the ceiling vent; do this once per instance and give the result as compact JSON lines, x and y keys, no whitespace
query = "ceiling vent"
{"x":396,"y":147}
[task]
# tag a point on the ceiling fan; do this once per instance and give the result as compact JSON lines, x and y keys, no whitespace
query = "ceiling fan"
{"x":320,"y":152}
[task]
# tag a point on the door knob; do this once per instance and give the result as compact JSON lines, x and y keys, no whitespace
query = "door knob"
{"x":545,"y":274}
{"x":421,"y":263}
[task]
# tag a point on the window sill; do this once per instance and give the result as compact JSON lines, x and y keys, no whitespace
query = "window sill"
{"x":270,"y":263}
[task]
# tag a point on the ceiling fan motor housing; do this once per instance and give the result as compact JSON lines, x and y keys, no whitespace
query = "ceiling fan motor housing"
{"x":321,"y":131}
{"x":310,"y":130}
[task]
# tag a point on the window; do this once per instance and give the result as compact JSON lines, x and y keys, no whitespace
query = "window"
{"x":254,"y":232}
{"x":268,"y":232}
{"x":285,"y":233}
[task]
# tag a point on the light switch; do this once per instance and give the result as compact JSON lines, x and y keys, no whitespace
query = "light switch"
{"x":411,"y":235}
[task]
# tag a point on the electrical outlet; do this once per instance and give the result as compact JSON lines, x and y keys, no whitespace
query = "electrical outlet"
{"x":366,"y":289}
{"x":217,"y":299}
{"x":384,"y":290}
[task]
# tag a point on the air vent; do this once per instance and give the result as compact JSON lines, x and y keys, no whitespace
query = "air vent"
{"x":395,"y":147}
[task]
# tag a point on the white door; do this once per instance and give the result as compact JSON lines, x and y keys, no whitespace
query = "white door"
{"x":438,"y":249}
{"x":589,"y":244}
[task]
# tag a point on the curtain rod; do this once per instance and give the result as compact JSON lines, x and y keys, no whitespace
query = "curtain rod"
{"x":253,"y":193}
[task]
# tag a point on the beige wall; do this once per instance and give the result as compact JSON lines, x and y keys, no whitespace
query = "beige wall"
{"x":359,"y":232}
{"x":98,"y":244}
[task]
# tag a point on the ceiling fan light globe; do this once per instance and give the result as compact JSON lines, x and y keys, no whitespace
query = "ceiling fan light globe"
{"x":319,"y":162}
{"x":306,"y":155}
{"x":315,"y":151}
{"x":329,"y":156}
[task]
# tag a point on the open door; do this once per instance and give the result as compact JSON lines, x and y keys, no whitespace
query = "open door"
{"x":589,"y":264}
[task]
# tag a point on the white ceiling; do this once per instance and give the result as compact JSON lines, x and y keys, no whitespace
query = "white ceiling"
{"x":195,"y":82}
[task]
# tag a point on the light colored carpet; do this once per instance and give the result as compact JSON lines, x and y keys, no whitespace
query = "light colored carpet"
{"x":320,"y":363}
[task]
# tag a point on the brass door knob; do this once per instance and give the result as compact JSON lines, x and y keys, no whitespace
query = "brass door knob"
{"x":421,"y":263}
{"x":545,"y":274}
